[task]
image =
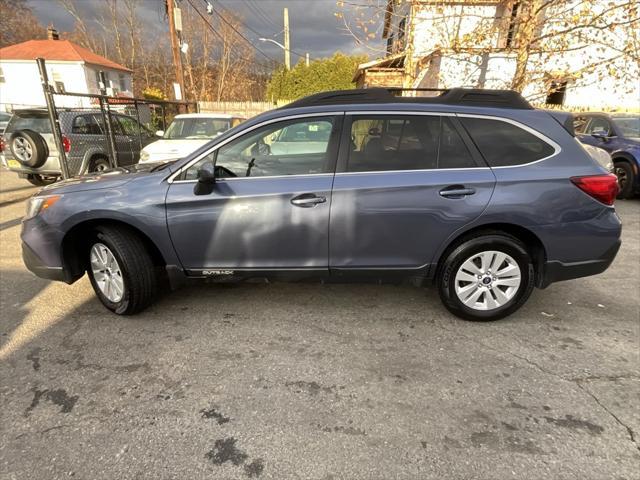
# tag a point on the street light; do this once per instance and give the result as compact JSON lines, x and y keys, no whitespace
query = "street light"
{"x":287,"y":62}
{"x":272,"y":41}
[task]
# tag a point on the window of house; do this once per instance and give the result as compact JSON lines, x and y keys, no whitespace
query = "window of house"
{"x":2,"y":80}
{"x":408,"y":142}
{"x":401,"y":32}
{"x":503,"y":144}
{"x":507,"y":21}
{"x":296,"y":147}
{"x":123,"y":82}
{"x":556,"y":93}
{"x":57,"y":81}
{"x":512,"y":27}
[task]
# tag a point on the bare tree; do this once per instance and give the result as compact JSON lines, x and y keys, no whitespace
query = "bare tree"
{"x":18,"y":23}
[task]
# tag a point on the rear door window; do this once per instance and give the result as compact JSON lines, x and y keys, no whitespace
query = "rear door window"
{"x":86,"y":125}
{"x":504,"y":144}
{"x":405,"y":142}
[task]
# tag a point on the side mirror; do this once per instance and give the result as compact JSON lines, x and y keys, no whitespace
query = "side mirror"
{"x":205,"y":183}
{"x":600,"y":135}
{"x":159,"y":133}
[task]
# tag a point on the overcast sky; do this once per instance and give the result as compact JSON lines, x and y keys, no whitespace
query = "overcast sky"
{"x":313,"y":25}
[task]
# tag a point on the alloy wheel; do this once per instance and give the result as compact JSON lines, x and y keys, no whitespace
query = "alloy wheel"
{"x":106,"y":272}
{"x":22,"y":149}
{"x":487,"y":280}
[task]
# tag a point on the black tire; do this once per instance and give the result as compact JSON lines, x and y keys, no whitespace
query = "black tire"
{"x":99,"y":164}
{"x":488,"y":241}
{"x":40,"y":181}
{"x":134,"y":261}
{"x":626,"y":179}
{"x":29,"y":148}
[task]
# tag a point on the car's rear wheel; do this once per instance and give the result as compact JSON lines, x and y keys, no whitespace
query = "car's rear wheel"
{"x":121,"y":270}
{"x":40,"y":180}
{"x":486,"y":277}
{"x":626,"y":179}
{"x":99,"y":164}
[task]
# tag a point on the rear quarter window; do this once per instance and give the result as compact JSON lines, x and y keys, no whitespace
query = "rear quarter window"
{"x":39,"y":124}
{"x":503,"y":144}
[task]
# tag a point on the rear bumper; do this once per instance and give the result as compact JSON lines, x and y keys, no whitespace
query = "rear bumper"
{"x":555,"y":271}
{"x":39,"y":268}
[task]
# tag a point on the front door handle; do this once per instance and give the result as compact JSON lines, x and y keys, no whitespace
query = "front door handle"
{"x":307,"y":200}
{"x":456,"y":191}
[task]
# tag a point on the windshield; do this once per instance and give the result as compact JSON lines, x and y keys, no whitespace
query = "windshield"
{"x":629,"y":126}
{"x":193,"y":128}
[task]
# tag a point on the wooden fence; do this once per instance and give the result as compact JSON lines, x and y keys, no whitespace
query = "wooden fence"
{"x":243,"y":109}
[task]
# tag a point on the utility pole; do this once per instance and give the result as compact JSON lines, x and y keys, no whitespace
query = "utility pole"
{"x":287,"y":53}
{"x":175,"y":47}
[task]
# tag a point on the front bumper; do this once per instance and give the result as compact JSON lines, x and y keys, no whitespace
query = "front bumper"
{"x":39,"y":268}
{"x":555,"y":271}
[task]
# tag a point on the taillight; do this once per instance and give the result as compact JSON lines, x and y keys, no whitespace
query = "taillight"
{"x":66,"y":144}
{"x":1,"y":145}
{"x":603,"y":188}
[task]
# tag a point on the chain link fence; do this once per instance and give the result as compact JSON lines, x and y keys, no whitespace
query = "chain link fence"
{"x":100,"y":132}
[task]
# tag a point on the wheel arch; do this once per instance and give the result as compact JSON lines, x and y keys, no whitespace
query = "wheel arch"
{"x":626,"y":157}
{"x":90,"y":154}
{"x":534,"y":245}
{"x":76,"y":242}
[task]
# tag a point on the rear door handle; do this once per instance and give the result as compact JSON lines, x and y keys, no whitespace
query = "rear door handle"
{"x":307,"y":200}
{"x":456,"y":191}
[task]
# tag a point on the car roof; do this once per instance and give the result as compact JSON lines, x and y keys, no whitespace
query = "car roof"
{"x":224,"y":116}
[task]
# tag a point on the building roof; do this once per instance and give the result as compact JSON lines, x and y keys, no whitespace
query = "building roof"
{"x":393,"y":61}
{"x":56,"y":50}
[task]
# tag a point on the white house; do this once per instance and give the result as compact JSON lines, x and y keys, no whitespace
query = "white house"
{"x":70,"y":67}
{"x":473,"y":43}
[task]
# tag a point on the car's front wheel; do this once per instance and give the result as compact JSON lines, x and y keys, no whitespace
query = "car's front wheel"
{"x":121,"y":270}
{"x":486,"y":277}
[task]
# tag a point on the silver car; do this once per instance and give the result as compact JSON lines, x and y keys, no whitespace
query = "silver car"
{"x":29,"y":147}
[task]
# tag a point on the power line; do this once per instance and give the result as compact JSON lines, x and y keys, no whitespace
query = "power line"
{"x":249,"y":42}
{"x":262,"y":15}
{"x":260,"y":35}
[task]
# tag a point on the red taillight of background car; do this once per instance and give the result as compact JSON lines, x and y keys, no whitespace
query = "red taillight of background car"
{"x":603,"y":188}
{"x":1,"y":145}
{"x":66,"y":144}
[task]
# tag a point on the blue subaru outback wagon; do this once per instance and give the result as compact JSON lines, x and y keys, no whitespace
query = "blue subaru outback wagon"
{"x":473,"y":189}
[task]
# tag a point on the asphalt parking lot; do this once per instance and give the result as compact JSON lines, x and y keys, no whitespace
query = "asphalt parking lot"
{"x":317,"y":381}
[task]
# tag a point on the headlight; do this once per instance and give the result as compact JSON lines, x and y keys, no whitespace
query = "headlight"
{"x":144,"y":156}
{"x":35,"y":205}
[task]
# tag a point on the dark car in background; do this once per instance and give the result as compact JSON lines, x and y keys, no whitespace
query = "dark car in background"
{"x":473,"y":190}
{"x":618,"y":134}
{"x":29,"y":149}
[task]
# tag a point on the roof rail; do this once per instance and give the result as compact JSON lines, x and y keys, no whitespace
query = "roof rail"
{"x":454,"y":96}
